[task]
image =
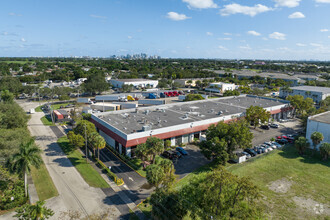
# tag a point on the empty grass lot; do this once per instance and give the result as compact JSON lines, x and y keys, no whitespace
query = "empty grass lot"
{"x":309,"y":179}
{"x":43,"y":183}
{"x":90,"y":175}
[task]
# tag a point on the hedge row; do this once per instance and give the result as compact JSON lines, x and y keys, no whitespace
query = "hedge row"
{"x":118,"y":181}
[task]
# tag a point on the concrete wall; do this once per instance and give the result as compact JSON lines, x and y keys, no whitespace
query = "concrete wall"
{"x":323,"y":128}
{"x":119,"y":84}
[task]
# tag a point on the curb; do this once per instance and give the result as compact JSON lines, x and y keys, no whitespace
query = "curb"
{"x":125,"y":163}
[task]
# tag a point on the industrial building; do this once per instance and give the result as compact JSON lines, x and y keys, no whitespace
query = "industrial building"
{"x":221,"y":87}
{"x":137,"y":83}
{"x":178,"y":122}
{"x":190,"y":82}
{"x":61,"y":115}
{"x":320,"y":123}
{"x":314,"y":92}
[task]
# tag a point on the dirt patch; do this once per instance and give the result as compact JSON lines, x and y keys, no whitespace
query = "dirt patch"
{"x":312,"y":206}
{"x":280,"y":186}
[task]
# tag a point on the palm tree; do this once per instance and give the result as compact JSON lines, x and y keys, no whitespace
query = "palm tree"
{"x":301,"y":144}
{"x":99,"y":142}
{"x":141,"y":151}
{"x":21,"y":162}
{"x":36,"y":212}
{"x":316,"y":137}
{"x":91,"y":141}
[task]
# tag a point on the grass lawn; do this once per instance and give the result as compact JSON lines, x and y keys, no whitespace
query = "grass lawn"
{"x":43,"y":183}
{"x":38,"y":109}
{"x":17,"y":61}
{"x":46,"y":121}
{"x":308,"y":175}
{"x":90,"y":175}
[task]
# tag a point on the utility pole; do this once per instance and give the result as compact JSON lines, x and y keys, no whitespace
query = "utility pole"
{"x":86,"y":142}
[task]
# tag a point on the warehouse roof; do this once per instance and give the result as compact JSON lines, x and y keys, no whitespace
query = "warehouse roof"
{"x":132,"y":120}
{"x":323,"y":117}
{"x":312,"y":89}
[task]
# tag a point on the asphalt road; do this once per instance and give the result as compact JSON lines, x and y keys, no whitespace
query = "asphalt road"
{"x":74,"y":193}
{"x":135,"y":187}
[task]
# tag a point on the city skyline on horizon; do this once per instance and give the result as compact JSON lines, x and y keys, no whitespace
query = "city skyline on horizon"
{"x":199,"y":29}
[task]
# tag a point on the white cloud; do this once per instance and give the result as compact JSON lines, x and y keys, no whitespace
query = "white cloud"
{"x":287,"y":3}
{"x":297,"y":15}
{"x":283,"y":48}
{"x":225,"y":38}
{"x":246,"y":47}
{"x":301,"y":45}
{"x":322,"y":1}
{"x":201,"y":4}
{"x":316,"y":45}
{"x":98,"y":16}
{"x":277,"y":36}
{"x":222,"y":47}
{"x":246,"y":10}
{"x":329,"y":36}
{"x":129,"y":37}
{"x":324,"y":30}
{"x":14,"y":14}
{"x":228,"y":34}
{"x":265,"y":38}
{"x":176,"y":16}
{"x":209,"y":33}
{"x":23,"y":40}
{"x":254,"y":33}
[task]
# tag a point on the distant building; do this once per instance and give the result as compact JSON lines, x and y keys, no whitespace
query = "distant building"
{"x":320,"y":123}
{"x":190,"y":82}
{"x":220,"y":87}
{"x":314,"y":92}
{"x":137,"y":83}
{"x":61,"y":115}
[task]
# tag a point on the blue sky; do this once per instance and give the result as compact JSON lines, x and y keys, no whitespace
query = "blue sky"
{"x":256,"y":29}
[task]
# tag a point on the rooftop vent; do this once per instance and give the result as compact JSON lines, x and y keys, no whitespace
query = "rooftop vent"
{"x":146,"y":128}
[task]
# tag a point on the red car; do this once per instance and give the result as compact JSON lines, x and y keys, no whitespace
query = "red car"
{"x":170,"y":94}
{"x":175,"y":93}
{"x":166,"y":93}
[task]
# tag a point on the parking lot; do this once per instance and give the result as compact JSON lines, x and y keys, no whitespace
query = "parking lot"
{"x":261,"y":136}
{"x":187,"y":164}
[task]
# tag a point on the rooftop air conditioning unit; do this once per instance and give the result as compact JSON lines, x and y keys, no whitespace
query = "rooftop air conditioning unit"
{"x":146,"y":128}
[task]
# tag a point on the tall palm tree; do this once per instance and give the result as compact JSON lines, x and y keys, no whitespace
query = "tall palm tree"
{"x":21,"y":162}
{"x":316,"y":137}
{"x":91,"y":140}
{"x":99,"y":142}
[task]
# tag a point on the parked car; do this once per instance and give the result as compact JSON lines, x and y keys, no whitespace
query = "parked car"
{"x":265,"y":127}
{"x":175,"y":154}
{"x":273,"y":125}
{"x":182,"y":151}
{"x":270,"y":145}
{"x":276,"y":144}
{"x":248,"y":156}
{"x":282,"y":141}
{"x":167,"y":154}
{"x":250,"y":151}
{"x":264,"y":148}
{"x":258,"y":149}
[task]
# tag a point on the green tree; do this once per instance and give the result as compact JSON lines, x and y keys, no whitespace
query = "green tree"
{"x":12,"y":84}
{"x":21,"y":162}
{"x":99,"y":143}
{"x":193,"y":97}
{"x":96,"y":83}
{"x":155,"y":146}
{"x":317,"y":138}
{"x":75,"y":140}
{"x":301,"y":144}
{"x":7,"y":96}
{"x":167,"y":144}
{"x":155,"y":175}
{"x":80,"y":128}
{"x":217,"y":193}
{"x":215,"y":149}
{"x":231,"y":93}
{"x":325,"y":150}
{"x":36,"y":211}
{"x":13,"y":116}
{"x":142,"y":151}
{"x":226,"y":136}
{"x":300,"y":104}
{"x":256,"y":115}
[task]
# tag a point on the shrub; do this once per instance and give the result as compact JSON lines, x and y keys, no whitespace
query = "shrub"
{"x":325,"y":151}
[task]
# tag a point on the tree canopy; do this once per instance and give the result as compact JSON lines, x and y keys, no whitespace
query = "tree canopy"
{"x":222,"y":139}
{"x":300,"y":104}
{"x":256,"y":115}
{"x":193,"y":97}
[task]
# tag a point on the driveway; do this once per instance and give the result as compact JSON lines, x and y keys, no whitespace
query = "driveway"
{"x":189,"y":163}
{"x":74,"y":193}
